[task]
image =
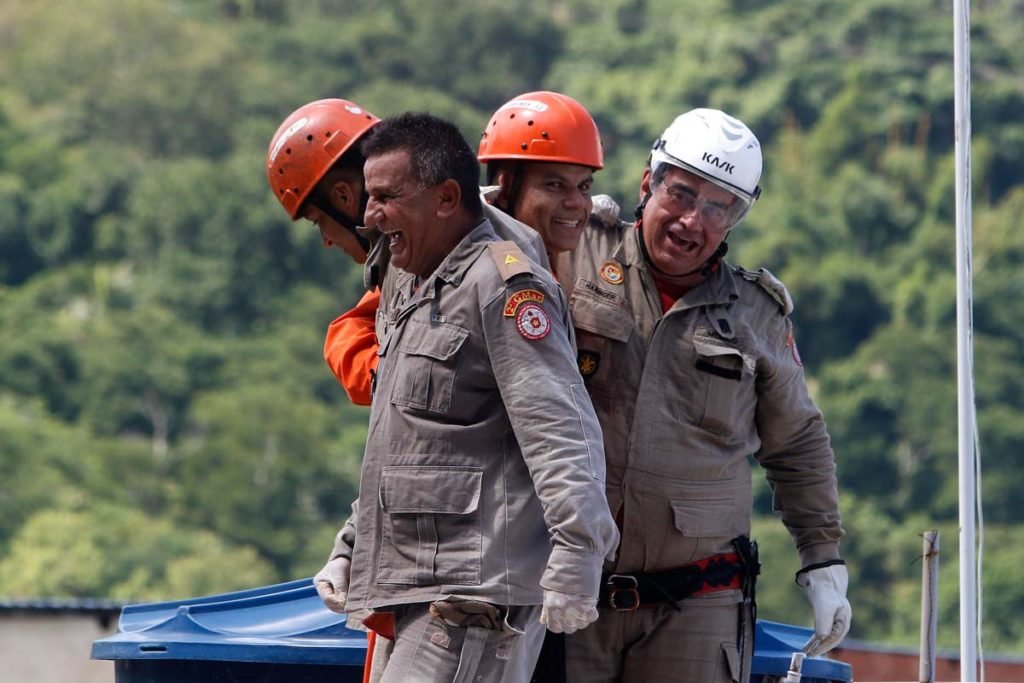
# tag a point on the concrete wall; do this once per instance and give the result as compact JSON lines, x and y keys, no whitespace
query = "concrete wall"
{"x":48,"y":647}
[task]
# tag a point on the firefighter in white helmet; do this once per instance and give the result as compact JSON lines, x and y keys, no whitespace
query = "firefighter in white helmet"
{"x":692,"y":366}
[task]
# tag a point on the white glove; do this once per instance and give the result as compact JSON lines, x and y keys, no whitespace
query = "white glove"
{"x":567,"y":613}
{"x":606,"y":210}
{"x":332,"y":583}
{"x":826,"y":589}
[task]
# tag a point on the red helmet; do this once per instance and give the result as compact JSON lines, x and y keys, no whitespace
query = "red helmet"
{"x":308,"y":143}
{"x":542,"y":126}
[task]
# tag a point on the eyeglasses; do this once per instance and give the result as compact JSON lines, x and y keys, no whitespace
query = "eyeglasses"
{"x":680,"y":199}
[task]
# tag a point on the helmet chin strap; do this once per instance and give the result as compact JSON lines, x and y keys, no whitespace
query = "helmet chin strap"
{"x":343,"y":220}
{"x":638,"y":212}
{"x":706,"y":269}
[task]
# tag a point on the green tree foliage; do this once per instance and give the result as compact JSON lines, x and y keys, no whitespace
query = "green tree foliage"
{"x":120,"y":552}
{"x":165,"y":414}
{"x":266,"y":473}
{"x":132,"y":73}
{"x":36,"y":466}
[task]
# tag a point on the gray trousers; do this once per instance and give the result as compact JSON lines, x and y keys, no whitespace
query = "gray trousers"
{"x":697,"y":644}
{"x":428,"y":649}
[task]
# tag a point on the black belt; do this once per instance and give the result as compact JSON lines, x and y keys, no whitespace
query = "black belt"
{"x":627,"y":592}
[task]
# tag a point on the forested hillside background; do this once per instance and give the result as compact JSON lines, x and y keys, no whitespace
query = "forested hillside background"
{"x":167,"y":425}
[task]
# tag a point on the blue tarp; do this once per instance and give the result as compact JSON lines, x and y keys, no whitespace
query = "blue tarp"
{"x":286,"y":625}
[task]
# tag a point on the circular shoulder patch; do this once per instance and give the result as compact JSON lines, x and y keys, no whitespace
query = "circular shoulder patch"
{"x":611,"y":272}
{"x":532,"y":322}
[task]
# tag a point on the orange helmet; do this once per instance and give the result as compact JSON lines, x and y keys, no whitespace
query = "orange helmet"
{"x":308,"y":143}
{"x":542,"y":126}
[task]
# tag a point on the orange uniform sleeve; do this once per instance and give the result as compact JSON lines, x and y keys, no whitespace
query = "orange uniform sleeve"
{"x":350,"y":348}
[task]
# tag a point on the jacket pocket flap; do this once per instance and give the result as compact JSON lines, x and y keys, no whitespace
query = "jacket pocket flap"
{"x":430,"y":490}
{"x":704,"y":518}
{"x":434,"y":340}
{"x":710,"y":347}
{"x":606,"y":318}
{"x":715,"y":347}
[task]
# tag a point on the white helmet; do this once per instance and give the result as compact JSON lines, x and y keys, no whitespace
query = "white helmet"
{"x":716,"y":147}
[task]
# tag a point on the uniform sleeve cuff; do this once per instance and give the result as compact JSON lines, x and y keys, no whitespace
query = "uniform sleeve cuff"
{"x":573,"y":572}
{"x":819,"y":553}
{"x":344,"y":541}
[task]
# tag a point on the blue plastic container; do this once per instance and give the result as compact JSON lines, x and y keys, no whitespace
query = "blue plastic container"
{"x":283,"y":634}
{"x":275,"y":633}
{"x":774,"y":645}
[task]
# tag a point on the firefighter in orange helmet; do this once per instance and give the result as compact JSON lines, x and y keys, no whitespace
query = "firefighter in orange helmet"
{"x":315,"y":169}
{"x":541,"y":150}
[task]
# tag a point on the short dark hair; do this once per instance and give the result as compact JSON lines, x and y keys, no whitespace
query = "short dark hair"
{"x":437,"y":150}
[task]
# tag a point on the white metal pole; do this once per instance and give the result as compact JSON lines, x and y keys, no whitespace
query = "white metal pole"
{"x":965,"y":370}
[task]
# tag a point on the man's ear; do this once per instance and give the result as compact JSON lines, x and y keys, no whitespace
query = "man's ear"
{"x":645,"y":184}
{"x":449,"y":197}
{"x":645,"y":195}
{"x":504,"y":178}
{"x":345,"y":197}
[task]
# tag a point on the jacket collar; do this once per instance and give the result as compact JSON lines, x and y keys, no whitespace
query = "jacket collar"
{"x":719,"y":288}
{"x":452,"y":269}
{"x":454,"y":266}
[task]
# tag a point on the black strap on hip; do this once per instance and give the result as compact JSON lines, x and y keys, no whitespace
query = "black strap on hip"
{"x":627,"y":592}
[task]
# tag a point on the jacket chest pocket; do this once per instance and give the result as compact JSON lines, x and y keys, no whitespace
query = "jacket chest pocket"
{"x":602,"y":328}
{"x":728,"y":375}
{"x":605,"y":317}
{"x":427,"y":361}
{"x":431,"y":527}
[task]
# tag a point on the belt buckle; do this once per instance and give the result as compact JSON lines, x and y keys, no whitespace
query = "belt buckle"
{"x":629,"y":589}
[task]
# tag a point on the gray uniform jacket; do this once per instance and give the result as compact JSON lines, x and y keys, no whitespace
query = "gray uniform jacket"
{"x":684,"y":398}
{"x":483,"y":475}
